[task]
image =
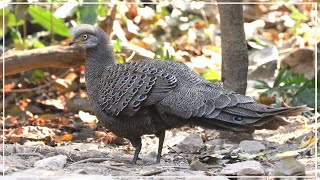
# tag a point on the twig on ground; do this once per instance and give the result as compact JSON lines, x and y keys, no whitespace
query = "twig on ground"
{"x":30,"y":154}
{"x":107,"y":166}
{"x":120,"y":164}
{"x":153,"y":172}
{"x":96,"y":160}
{"x":28,"y":89}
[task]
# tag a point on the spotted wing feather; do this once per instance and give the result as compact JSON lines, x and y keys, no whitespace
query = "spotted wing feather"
{"x":125,"y":88}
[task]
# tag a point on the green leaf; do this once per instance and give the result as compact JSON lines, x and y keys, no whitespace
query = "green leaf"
{"x":286,"y":154}
{"x":261,"y":42}
{"x":37,"y":76}
{"x":304,"y":96}
{"x":262,"y":85}
{"x":120,"y":60}
{"x":43,"y":17}
{"x":211,"y":75}
{"x":38,"y":44}
{"x":247,"y":156}
{"x":10,"y":19}
{"x":17,"y":39}
{"x":101,"y":10}
{"x":296,"y":14}
{"x":117,"y":46}
{"x":88,"y":14}
{"x":282,"y":77}
{"x":165,"y":53}
{"x":159,"y":53}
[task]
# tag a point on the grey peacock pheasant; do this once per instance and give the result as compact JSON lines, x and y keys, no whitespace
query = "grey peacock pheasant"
{"x":152,"y":96}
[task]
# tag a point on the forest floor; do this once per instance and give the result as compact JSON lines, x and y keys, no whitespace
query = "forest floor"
{"x":211,"y":156}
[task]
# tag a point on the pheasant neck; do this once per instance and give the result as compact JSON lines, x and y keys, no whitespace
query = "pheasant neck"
{"x":97,"y":59}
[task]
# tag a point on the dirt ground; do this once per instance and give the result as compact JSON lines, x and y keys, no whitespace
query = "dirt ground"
{"x":114,"y":160}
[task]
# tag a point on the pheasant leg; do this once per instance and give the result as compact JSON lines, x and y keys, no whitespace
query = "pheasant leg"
{"x":137,"y":145}
{"x":161,"y":140}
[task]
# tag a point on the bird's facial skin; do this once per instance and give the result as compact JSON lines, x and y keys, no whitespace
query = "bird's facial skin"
{"x":85,"y":39}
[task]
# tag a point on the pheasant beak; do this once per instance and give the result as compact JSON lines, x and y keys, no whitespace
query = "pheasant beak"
{"x":72,"y":42}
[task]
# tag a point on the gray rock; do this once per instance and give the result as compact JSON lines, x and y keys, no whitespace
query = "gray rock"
{"x":214,"y":145}
{"x":258,"y":57}
{"x":264,"y":71}
{"x":78,"y":104}
{"x":52,"y":163}
{"x":191,"y":144}
{"x":35,"y":173}
{"x":251,"y":146}
{"x":245,"y":168}
{"x":289,"y":166}
{"x":198,"y":166}
{"x":301,"y":61}
{"x":263,"y":62}
{"x":215,"y":142}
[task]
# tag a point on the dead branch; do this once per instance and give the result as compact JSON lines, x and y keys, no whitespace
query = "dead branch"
{"x":152,"y":172}
{"x":58,"y":57}
{"x":95,"y":160}
{"x":53,"y":56}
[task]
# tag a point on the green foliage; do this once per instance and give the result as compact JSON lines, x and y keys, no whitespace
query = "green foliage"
{"x":20,"y":11}
{"x":101,"y":10}
{"x":294,"y":89}
{"x":211,"y":75}
{"x":37,"y":76}
{"x":120,"y":60}
{"x":11,"y":20}
{"x":247,"y":156}
{"x":166,"y":52}
{"x":45,"y":18}
{"x":297,"y":16}
{"x":261,"y":42}
{"x":117,"y":46}
{"x":162,"y":10}
{"x":295,"y":13}
{"x":32,"y":42}
{"x":87,"y":13}
{"x":28,"y":43}
{"x":16,"y":37}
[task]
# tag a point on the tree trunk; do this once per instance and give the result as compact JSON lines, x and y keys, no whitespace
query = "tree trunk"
{"x":234,"y":48}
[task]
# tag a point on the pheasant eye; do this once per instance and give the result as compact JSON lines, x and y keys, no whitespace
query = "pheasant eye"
{"x":84,"y":37}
